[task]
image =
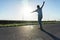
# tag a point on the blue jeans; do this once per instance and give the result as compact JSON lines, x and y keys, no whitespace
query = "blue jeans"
{"x":40,"y":21}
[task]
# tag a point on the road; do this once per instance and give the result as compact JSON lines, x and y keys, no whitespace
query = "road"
{"x":31,"y":32}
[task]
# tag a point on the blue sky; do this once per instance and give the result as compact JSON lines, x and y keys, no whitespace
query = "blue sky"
{"x":15,"y":9}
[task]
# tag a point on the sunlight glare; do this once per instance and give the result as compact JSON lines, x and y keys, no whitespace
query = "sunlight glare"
{"x":29,"y":27}
{"x":26,"y":11}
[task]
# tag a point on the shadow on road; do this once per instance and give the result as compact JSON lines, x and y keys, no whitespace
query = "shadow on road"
{"x":51,"y":35}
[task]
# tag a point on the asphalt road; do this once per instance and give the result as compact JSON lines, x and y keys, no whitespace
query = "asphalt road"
{"x":31,"y":32}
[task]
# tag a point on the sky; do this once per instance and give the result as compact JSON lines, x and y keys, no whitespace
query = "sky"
{"x":21,"y":9}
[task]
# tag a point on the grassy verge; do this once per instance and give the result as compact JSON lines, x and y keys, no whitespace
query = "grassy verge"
{"x":27,"y":23}
{"x":16,"y":25}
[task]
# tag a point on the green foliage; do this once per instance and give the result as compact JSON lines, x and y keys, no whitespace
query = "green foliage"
{"x":27,"y":23}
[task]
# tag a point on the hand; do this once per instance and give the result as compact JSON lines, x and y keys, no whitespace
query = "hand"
{"x":31,"y":12}
{"x":43,"y":1}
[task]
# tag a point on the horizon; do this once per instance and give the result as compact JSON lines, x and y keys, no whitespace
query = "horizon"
{"x":28,"y":20}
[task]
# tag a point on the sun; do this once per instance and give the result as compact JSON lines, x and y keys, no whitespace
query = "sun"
{"x":26,"y":11}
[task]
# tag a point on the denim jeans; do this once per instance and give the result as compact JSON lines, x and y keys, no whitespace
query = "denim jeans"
{"x":40,"y":21}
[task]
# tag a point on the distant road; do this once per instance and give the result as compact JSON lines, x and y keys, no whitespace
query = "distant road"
{"x":31,"y":32}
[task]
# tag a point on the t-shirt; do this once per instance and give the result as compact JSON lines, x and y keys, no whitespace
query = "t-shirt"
{"x":39,"y":11}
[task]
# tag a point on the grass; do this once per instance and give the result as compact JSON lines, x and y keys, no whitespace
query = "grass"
{"x":16,"y":24}
{"x":27,"y":23}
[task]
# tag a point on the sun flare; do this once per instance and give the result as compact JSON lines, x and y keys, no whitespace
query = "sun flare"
{"x":28,"y":27}
{"x":26,"y":11}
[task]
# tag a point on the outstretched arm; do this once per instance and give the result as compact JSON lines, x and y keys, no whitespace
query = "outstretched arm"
{"x":34,"y":11}
{"x":43,"y":4}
